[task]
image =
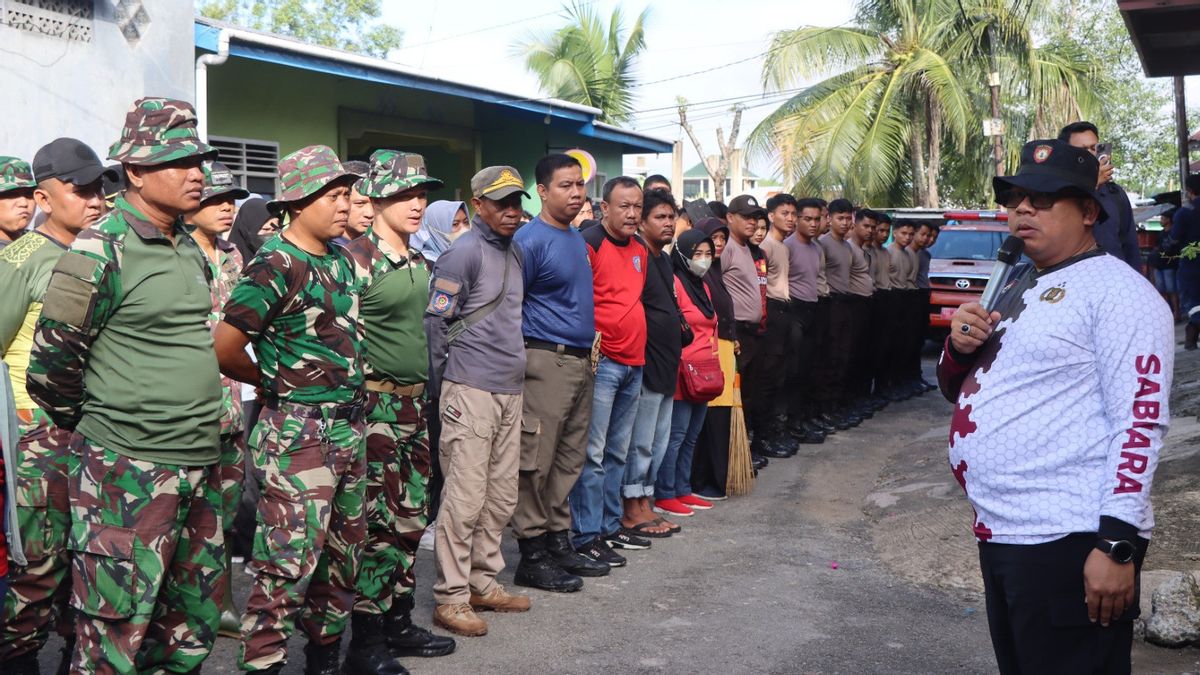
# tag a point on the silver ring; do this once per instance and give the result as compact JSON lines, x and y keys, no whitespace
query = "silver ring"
{"x":965,"y":328}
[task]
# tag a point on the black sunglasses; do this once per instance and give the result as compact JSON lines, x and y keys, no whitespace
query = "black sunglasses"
{"x":1041,"y":201}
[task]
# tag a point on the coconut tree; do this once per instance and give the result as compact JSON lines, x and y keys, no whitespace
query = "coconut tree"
{"x":586,"y":61}
{"x":906,"y":82}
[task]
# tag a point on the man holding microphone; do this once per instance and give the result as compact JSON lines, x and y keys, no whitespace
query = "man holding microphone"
{"x":1061,"y":408}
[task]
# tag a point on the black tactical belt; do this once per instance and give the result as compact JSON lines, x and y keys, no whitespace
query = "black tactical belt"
{"x":578,"y":352}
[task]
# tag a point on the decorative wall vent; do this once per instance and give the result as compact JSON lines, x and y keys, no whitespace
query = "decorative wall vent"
{"x":66,"y":19}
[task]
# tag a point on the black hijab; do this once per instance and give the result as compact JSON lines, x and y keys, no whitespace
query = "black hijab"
{"x":722,"y":301}
{"x":684,"y":249}
{"x":249,"y":221}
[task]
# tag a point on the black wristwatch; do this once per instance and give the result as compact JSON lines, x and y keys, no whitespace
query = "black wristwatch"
{"x":1120,"y":551}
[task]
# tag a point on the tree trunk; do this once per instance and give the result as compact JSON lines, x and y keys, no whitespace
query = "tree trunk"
{"x":918,"y":163}
{"x":934,"y":139}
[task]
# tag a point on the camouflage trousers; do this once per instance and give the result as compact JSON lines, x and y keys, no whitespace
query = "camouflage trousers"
{"x":398,"y":463}
{"x":149,"y":558}
{"x":310,"y":532}
{"x":233,"y":471}
{"x":39,"y":592}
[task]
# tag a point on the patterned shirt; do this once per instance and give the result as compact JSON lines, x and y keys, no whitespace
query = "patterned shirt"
{"x":225,"y":272}
{"x":300,"y":312}
{"x":1060,"y":415}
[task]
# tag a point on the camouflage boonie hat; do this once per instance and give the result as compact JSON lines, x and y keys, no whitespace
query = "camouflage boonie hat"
{"x":393,"y":172}
{"x":305,"y":172}
{"x":15,"y":174}
{"x":218,"y":181}
{"x":157,"y":131}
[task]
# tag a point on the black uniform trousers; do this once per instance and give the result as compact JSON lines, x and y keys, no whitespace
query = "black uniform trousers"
{"x":1037,"y":615}
{"x":920,"y":327}
{"x":777,"y":359}
{"x":751,"y":358}
{"x":799,"y":391}
{"x":906,"y":327}
{"x":834,"y":360}
{"x":858,"y":382}
{"x":882,"y":336}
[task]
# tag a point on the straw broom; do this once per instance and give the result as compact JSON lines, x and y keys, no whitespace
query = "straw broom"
{"x":740,"y":478}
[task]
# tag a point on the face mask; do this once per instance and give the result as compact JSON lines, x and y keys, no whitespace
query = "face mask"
{"x":699,"y":267}
{"x":458,"y":234}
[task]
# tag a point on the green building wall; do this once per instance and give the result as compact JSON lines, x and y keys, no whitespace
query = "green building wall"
{"x":268,"y":102}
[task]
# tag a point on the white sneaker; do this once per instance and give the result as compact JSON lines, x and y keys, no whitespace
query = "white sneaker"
{"x":427,"y":536}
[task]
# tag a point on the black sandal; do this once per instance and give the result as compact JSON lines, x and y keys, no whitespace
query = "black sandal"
{"x":641,"y":531}
{"x":673,"y":527}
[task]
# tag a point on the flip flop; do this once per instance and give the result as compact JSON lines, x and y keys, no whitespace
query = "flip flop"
{"x":641,"y":531}
{"x":675,"y":529}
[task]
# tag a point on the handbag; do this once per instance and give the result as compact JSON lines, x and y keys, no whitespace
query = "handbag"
{"x":701,"y":380}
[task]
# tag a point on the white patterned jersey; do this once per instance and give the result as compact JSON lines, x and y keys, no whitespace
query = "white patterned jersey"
{"x":1060,"y":415}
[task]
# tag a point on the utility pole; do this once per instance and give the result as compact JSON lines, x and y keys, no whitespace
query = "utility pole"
{"x":997,"y":125}
{"x":1181,"y":131}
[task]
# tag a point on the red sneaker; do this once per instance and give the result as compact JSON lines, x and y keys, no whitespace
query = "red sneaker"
{"x":695,"y":502}
{"x":672,"y":507}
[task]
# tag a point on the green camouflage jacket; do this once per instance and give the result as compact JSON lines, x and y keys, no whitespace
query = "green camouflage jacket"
{"x":300,"y":312}
{"x":225,"y":272}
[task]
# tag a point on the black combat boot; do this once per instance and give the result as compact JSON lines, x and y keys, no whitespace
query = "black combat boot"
{"x":408,"y":639}
{"x":537,"y":569}
{"x":68,"y":650}
{"x":558,"y":545}
{"x":1191,"y":333}
{"x":369,"y":652}
{"x":322,"y":659}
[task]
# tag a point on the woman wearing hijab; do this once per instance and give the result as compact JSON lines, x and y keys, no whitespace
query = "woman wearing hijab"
{"x":691,"y":259}
{"x":444,"y":222}
{"x":252,"y":227}
{"x":710,"y":462}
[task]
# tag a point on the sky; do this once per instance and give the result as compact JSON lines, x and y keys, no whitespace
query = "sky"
{"x":693,"y":42}
{"x":682,"y":37}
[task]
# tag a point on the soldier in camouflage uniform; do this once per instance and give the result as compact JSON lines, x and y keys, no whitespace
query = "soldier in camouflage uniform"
{"x":122,"y":356}
{"x":16,"y":198}
{"x":296,"y":302}
{"x":214,"y":218}
{"x":69,"y":177}
{"x":393,"y":282}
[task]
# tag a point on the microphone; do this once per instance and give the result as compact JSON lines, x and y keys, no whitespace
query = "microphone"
{"x":1008,"y":255}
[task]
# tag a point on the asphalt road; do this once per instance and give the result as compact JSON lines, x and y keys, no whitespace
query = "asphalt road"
{"x":810,"y":573}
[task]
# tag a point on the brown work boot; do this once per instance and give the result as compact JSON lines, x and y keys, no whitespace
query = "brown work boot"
{"x":460,"y":619}
{"x":499,"y":600}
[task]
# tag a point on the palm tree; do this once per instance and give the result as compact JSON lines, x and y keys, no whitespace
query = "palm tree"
{"x":907,"y":81}
{"x":583,"y":62}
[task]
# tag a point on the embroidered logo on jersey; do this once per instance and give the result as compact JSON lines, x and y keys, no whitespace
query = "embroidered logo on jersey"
{"x":637,"y":263}
{"x":1042,"y":153}
{"x":1053,"y":295}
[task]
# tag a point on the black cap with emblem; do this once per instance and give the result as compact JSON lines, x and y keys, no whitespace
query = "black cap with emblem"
{"x":1053,"y":166}
{"x":71,"y":161}
{"x":747,"y":205}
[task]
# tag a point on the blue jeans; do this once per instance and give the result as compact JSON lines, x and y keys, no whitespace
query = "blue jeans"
{"x":596,"y":497}
{"x":675,"y":474}
{"x":651,"y":430}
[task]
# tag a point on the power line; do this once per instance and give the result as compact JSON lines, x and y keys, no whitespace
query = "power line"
{"x":722,"y":100}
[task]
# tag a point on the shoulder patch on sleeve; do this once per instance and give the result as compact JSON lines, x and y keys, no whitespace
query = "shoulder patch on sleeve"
{"x":441,"y":303}
{"x":449,"y":286}
{"x":71,"y":295}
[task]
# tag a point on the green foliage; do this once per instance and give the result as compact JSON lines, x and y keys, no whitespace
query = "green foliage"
{"x":352,"y":25}
{"x":586,"y":61}
{"x":900,"y":109}
{"x":1138,"y":115}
